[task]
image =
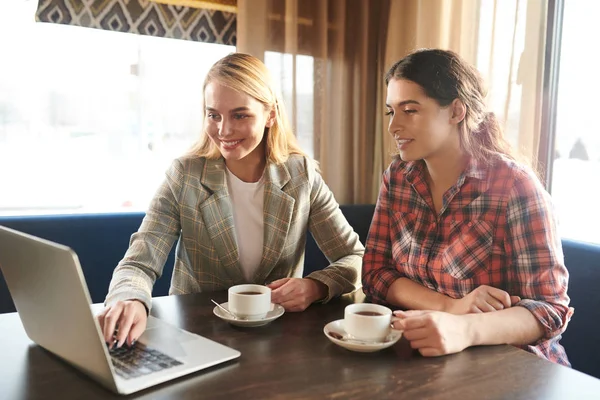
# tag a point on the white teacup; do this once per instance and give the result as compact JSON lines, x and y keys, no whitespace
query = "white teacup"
{"x":249,"y":301}
{"x":367,"y":321}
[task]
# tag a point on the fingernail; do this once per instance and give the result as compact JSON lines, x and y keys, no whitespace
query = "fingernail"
{"x":133,"y":342}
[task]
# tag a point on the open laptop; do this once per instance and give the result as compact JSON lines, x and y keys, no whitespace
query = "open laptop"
{"x":49,"y":291}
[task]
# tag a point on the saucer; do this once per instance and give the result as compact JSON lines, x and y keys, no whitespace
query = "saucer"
{"x":338,"y":327}
{"x":275,"y":312}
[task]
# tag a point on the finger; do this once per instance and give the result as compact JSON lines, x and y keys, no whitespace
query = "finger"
{"x":293,"y":305}
{"x":475,"y":310}
{"x":125,"y":323}
{"x":410,"y":313}
{"x":137,"y":329}
{"x":430,"y":352}
{"x":423,"y":343}
{"x":411,"y":323}
{"x":100,"y":318}
{"x":494,"y":303}
{"x":416,"y":334}
{"x":278,"y":283}
{"x":500,"y":295}
{"x":514,"y":300}
{"x":283,"y":293}
{"x":110,"y":323}
{"x":485,"y":306}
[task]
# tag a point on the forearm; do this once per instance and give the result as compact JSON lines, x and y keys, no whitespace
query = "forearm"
{"x":411,"y":295}
{"x":515,"y":325}
{"x":340,"y":277}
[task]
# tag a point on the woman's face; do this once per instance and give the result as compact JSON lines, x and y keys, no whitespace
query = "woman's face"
{"x":421,"y":128}
{"x":235,"y":122}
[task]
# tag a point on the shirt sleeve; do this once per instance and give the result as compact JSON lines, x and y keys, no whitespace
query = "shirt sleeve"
{"x":534,"y":251}
{"x":149,"y":247}
{"x":379,"y":270}
{"x":336,"y":239}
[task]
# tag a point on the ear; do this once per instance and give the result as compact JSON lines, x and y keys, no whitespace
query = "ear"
{"x":459,"y":110}
{"x":271,"y":118}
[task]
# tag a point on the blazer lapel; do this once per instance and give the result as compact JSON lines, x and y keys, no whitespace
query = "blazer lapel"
{"x":217,"y":215}
{"x":277,"y":211}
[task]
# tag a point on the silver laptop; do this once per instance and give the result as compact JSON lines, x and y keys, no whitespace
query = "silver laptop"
{"x":49,"y":291}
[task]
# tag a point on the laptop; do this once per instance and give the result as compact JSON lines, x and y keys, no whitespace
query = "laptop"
{"x":49,"y":291}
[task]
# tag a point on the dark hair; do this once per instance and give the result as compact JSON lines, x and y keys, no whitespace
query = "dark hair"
{"x":445,"y":76}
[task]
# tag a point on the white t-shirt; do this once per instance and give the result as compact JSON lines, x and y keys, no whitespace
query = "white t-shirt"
{"x":247,"y":200}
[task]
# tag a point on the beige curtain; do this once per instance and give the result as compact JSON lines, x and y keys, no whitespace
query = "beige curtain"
{"x":351,"y":44}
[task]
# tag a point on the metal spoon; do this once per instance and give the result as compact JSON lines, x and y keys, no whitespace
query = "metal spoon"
{"x":344,"y":338}
{"x":227,"y":311}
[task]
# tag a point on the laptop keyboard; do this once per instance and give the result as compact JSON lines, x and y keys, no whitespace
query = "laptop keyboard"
{"x":139,"y":360}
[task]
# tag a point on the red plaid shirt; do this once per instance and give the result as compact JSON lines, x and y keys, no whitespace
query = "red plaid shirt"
{"x":495,"y":228}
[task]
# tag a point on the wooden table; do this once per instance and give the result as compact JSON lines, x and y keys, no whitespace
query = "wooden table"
{"x":292,"y":359}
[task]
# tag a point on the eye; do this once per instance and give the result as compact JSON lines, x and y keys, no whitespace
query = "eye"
{"x":240,"y":116}
{"x":389,"y":112}
{"x":212,"y":115}
{"x":409,"y":111}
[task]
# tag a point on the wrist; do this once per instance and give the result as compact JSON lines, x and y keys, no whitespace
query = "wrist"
{"x":449,"y":305}
{"x":471,"y":332}
{"x":320,"y":290}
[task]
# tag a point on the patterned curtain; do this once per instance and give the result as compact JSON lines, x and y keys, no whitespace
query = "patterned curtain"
{"x":210,"y":25}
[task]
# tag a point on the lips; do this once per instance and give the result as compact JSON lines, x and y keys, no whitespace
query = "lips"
{"x":403,"y":143}
{"x":230,"y":144}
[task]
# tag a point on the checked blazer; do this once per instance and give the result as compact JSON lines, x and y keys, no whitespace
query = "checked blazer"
{"x":193,"y":207}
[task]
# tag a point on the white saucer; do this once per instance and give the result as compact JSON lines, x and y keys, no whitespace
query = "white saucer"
{"x":275,"y":312}
{"x":337,"y":327}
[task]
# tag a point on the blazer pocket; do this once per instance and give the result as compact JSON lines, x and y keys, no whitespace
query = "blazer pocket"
{"x":469,"y":250}
{"x":401,"y":235}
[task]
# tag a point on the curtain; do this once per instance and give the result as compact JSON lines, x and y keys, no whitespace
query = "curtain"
{"x":173,"y":20}
{"x":349,"y":44}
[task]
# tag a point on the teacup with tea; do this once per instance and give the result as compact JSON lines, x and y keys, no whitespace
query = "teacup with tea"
{"x":249,"y":301}
{"x":370,"y":322}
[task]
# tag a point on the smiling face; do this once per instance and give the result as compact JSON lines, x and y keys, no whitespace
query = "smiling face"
{"x":235,"y":122}
{"x":421,"y":128}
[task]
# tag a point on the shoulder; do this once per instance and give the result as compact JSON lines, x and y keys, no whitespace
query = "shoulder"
{"x":189,"y":170}
{"x":398,"y":170}
{"x":520,"y":179}
{"x":300,"y":166}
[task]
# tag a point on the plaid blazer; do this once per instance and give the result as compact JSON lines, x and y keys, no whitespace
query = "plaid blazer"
{"x":193,"y":206}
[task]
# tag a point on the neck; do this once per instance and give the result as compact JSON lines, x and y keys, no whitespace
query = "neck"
{"x":444,"y":169}
{"x":248,"y":169}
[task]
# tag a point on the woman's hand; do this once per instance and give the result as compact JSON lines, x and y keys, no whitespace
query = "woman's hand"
{"x":128,"y":318}
{"x":434,"y":333}
{"x":296,"y":294}
{"x":483,"y":299}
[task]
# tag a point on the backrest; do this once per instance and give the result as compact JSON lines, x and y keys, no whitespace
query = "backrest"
{"x":581,"y":337}
{"x":359,"y":216}
{"x":100,"y":241}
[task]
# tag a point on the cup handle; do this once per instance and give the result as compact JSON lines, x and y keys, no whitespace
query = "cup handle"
{"x":394,"y":319}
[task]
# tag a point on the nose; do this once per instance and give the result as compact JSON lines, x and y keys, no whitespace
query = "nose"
{"x":395,"y":125}
{"x":226,"y":128}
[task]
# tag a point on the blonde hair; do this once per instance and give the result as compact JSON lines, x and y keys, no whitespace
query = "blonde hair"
{"x":247,"y":74}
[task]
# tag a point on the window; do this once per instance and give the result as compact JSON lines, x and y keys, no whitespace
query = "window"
{"x":576,"y":165}
{"x":281,"y":67}
{"x":91,"y":119}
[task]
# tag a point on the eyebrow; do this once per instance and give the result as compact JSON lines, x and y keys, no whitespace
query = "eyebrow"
{"x":238,"y":109}
{"x":403,"y":103}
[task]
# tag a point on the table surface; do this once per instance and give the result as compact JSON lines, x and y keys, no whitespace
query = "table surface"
{"x":292,"y":359}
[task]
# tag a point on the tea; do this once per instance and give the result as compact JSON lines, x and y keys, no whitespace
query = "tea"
{"x":249,"y":293}
{"x":369,"y":313}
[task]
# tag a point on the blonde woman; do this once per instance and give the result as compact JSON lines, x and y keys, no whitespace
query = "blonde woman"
{"x":240,"y":204}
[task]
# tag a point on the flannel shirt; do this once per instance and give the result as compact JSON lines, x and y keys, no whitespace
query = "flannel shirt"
{"x":496,"y":227}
